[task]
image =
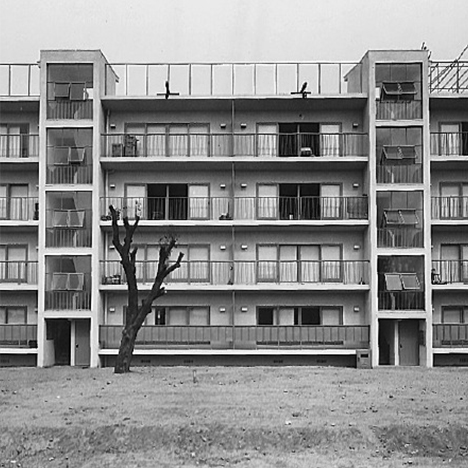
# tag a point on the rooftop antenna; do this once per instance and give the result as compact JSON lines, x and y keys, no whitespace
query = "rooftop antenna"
{"x":302,"y":91}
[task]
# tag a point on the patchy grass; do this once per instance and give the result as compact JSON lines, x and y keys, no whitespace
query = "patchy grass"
{"x":252,"y":417}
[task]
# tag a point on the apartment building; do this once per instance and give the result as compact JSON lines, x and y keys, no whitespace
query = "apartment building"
{"x":322,"y":209}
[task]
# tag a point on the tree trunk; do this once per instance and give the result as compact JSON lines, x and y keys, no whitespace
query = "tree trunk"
{"x":124,"y":358}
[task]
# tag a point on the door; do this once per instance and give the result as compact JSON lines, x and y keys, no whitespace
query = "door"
{"x":178,"y":140}
{"x":266,"y":140}
{"x":450,"y":201}
{"x":199,"y":140}
{"x":309,"y":256}
{"x":330,"y":200}
{"x":288,"y":265}
{"x":82,"y":342}
{"x":408,"y":331}
{"x":134,"y":141}
{"x":135,"y":201}
{"x":198,"y":257}
{"x":155,"y":140}
{"x":330,"y":140}
{"x":450,"y":263}
{"x":450,"y":139}
{"x":18,"y":202}
{"x":199,"y":202}
{"x":267,"y":202}
{"x":331,"y":263}
{"x":267,"y":265}
{"x":16,"y":266}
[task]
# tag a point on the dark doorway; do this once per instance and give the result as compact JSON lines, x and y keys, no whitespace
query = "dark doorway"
{"x":409,"y":344}
{"x":59,"y":331}
{"x":386,"y":338}
{"x":299,"y":139}
{"x":299,"y":201}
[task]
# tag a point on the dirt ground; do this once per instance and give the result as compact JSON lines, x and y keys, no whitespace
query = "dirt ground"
{"x":250,"y":417}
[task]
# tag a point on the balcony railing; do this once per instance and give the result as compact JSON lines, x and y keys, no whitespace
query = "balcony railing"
{"x":448,"y":77}
{"x":246,"y":272}
{"x":18,"y":272}
{"x":19,"y":209}
{"x":401,"y":300}
{"x":72,"y":228}
{"x":400,"y":238}
{"x":400,"y":110}
{"x":18,"y":336}
{"x":453,"y":335}
{"x":70,"y":174}
{"x":59,"y":237}
{"x":229,"y":337}
{"x":399,"y":174}
{"x":240,"y":145}
{"x":66,"y":109}
{"x":450,"y":271}
{"x":67,"y":300}
{"x":19,"y":146}
{"x":19,"y":79}
{"x":230,"y":79}
{"x":449,"y":144}
{"x":243,"y":208}
{"x":449,"y":207}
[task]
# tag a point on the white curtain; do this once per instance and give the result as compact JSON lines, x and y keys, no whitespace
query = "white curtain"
{"x":330,"y":140}
{"x":267,"y":202}
{"x":267,"y":140}
{"x":450,"y":140}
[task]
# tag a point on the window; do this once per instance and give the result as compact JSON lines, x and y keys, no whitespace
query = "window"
{"x":13,"y":262}
{"x":300,"y":316}
{"x":401,"y":217}
{"x":68,"y":218}
{"x":13,"y":315}
{"x":67,"y":281}
{"x":266,"y":316}
{"x":394,"y":91}
{"x":455,"y":314}
{"x":69,"y":82}
{"x":14,"y":141}
{"x":399,"y":154}
{"x":195,"y":266}
{"x":402,"y":282}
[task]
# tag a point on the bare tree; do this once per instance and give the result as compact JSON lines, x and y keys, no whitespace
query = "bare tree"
{"x":136,"y":313}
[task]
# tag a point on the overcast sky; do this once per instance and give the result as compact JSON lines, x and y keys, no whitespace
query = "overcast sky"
{"x":234,"y":30}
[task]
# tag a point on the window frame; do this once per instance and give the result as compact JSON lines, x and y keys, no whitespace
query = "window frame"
{"x":8,"y":307}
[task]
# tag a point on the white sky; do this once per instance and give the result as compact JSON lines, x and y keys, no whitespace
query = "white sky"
{"x":235,"y":30}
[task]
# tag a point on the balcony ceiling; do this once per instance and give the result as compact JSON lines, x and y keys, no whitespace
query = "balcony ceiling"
{"x":19,"y":104}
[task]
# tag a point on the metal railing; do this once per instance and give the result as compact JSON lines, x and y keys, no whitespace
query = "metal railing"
{"x":18,"y":272}
{"x":19,"y":79}
{"x":72,"y":229}
{"x":230,"y":79}
{"x":75,"y":110}
{"x":19,"y":146}
{"x":449,"y":207}
{"x":19,"y":208}
{"x":18,"y":336}
{"x":450,"y":271}
{"x":242,"y":208}
{"x":69,"y":174}
{"x":448,"y":77}
{"x":449,"y":144}
{"x":164,"y":145}
{"x":68,"y":300}
{"x":246,"y":272}
{"x":230,"y":337}
{"x":64,"y":237}
{"x":399,"y":174}
{"x":401,"y":300}
{"x":400,"y":110}
{"x":404,"y":237}
{"x":450,"y":335}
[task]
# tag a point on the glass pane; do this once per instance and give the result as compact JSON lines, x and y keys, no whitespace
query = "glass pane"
{"x":16,"y":315}
{"x":393,"y":282}
{"x":410,"y":281}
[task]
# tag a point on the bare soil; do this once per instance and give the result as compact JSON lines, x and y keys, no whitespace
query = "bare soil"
{"x":248,"y":417}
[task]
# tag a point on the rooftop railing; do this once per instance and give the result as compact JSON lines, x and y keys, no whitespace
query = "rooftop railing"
{"x":225,"y":337}
{"x":18,"y":336}
{"x":449,"y":208}
{"x":19,"y":146}
{"x":246,"y":272}
{"x":18,"y":272}
{"x":19,"y":208}
{"x":226,"y":145}
{"x":449,"y":144}
{"x":242,"y":208}
{"x":19,"y":79}
{"x":455,"y":335}
{"x":229,"y":79}
{"x":448,"y":77}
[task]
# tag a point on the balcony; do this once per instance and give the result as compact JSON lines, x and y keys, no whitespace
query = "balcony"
{"x":19,"y":209}
{"x":449,"y":144}
{"x":401,"y":300}
{"x":240,"y":337}
{"x":19,"y":146}
{"x":344,"y":272}
{"x":18,"y":336}
{"x":449,"y":208}
{"x":18,"y":272}
{"x":68,"y":291}
{"x":399,"y":174}
{"x":231,"y":79}
{"x":450,"y":335}
{"x":448,"y":77}
{"x":403,"y":237}
{"x":19,"y":79}
{"x":68,"y":228}
{"x":450,"y":271}
{"x":245,"y":208}
{"x":246,"y":145}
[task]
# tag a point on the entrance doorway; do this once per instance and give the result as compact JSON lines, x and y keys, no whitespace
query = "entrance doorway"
{"x":408,"y":331}
{"x":58,"y":330}
{"x":82,"y":342}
